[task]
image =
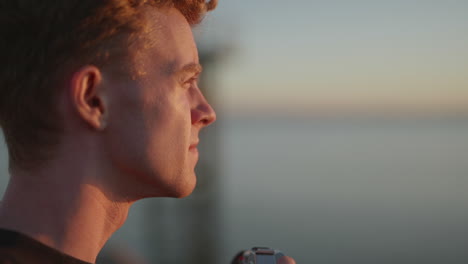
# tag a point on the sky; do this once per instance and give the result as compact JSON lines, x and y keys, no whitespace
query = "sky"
{"x":340,"y":55}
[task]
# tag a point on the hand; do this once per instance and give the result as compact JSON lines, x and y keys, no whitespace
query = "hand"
{"x":286,"y":260}
{"x":282,"y":260}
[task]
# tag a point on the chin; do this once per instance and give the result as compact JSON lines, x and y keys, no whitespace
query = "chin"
{"x":180,"y":188}
{"x":185,"y":188}
{"x":182,"y":193}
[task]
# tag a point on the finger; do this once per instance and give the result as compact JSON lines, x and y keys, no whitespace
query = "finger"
{"x":286,"y":260}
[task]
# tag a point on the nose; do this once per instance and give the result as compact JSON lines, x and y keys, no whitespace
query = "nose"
{"x":203,"y":114}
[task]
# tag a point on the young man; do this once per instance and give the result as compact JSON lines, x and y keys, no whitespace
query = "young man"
{"x":100,"y":107}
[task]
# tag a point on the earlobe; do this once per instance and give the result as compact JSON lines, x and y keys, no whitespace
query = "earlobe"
{"x":88,"y":97}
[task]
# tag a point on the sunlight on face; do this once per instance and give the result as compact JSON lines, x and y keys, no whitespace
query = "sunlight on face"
{"x":159,"y":114}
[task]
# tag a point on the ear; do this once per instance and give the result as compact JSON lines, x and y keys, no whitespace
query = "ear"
{"x":89,"y":97}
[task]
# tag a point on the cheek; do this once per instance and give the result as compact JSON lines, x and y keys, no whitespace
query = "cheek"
{"x":184,"y":106}
{"x":157,"y":117}
{"x":169,"y":119}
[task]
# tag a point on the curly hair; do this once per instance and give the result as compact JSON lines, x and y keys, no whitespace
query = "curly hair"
{"x":40,"y":40}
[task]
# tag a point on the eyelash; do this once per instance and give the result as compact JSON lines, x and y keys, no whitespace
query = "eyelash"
{"x":191,"y":81}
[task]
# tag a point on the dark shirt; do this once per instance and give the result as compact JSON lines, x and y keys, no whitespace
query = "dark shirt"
{"x":16,"y":248}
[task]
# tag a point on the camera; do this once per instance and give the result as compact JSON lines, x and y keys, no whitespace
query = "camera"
{"x":258,"y":255}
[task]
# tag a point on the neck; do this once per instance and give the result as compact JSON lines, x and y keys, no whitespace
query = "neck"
{"x":62,"y":209}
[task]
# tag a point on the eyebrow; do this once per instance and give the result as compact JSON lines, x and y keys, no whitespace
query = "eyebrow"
{"x":190,"y":68}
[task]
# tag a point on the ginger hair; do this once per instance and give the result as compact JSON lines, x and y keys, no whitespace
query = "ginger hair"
{"x":42,"y":40}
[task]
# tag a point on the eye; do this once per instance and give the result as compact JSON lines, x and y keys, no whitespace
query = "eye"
{"x":190,"y":82}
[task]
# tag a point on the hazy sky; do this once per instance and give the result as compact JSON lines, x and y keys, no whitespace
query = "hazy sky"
{"x":332,"y":54}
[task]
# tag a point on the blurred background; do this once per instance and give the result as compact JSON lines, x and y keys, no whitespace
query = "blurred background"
{"x":342,"y":137}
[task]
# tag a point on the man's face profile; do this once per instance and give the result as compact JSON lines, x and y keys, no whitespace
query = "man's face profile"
{"x":156,"y":115}
{"x":129,"y":70}
{"x":100,"y":107}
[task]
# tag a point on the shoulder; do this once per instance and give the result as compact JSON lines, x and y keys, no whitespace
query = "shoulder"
{"x":17,"y":248}
{"x":12,"y":247}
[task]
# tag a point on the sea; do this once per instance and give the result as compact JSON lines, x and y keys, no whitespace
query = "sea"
{"x":347,"y":189}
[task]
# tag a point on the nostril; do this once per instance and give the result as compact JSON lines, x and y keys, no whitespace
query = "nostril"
{"x":210,"y":116}
{"x":203,"y":114}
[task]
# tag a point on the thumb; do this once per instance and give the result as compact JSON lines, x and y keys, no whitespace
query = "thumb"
{"x":286,"y":260}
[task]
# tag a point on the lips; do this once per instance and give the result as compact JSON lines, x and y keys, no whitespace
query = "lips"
{"x":193,"y":145}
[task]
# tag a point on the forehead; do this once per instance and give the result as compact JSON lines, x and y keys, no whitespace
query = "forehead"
{"x":166,"y":39}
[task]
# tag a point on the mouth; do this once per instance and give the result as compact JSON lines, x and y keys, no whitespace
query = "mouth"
{"x":193,"y":152}
{"x":193,"y":146}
